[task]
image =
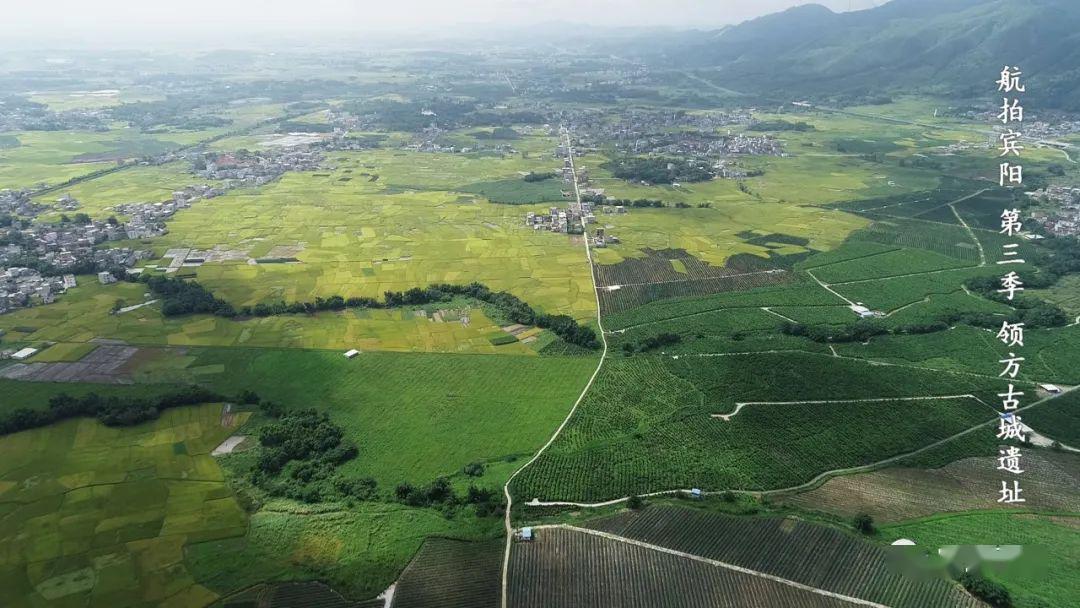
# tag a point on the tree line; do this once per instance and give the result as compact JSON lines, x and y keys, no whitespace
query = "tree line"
{"x":180,"y":297}
{"x":110,"y":411}
{"x":637,"y":203}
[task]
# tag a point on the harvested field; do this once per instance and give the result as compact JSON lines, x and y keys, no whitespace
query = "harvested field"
{"x":1051,"y":482}
{"x":105,"y":364}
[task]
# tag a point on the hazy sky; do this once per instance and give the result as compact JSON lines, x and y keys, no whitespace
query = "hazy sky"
{"x":102,"y":18}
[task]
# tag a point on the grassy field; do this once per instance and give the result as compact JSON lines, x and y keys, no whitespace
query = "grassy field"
{"x":414,"y":416}
{"x":359,"y":551}
{"x":1046,"y":576}
{"x":97,"y":516}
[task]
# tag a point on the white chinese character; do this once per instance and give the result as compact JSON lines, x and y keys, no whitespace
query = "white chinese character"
{"x":1012,"y":365}
{"x":1014,"y":174}
{"x":1010,"y":251}
{"x":1010,"y":142}
{"x":1010,"y":222}
{"x":1011,"y":334}
{"x":1009,"y":427}
{"x":1009,"y":113}
{"x":1010,"y":80}
{"x":1010,"y":284}
{"x":1009,"y":399}
{"x":1011,"y":495}
{"x":1010,"y":460}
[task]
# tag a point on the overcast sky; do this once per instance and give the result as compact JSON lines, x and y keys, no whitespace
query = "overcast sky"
{"x":102,"y":18}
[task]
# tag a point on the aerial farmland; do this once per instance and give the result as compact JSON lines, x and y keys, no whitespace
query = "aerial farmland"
{"x":535,"y":321}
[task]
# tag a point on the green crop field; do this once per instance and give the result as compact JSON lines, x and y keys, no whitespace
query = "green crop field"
{"x":413,"y":416}
{"x":95,"y":516}
{"x":359,"y":551}
{"x":648,"y":424}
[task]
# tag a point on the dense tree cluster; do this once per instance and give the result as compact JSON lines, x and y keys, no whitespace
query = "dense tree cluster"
{"x":497,"y":133}
{"x":989,"y":591}
{"x":657,"y":170}
{"x":111,"y":411}
{"x":298,"y":457}
{"x":860,"y":331}
{"x":651,"y":343}
{"x":180,"y":297}
{"x":534,"y":176}
{"x":440,"y":493}
{"x":780,"y":125}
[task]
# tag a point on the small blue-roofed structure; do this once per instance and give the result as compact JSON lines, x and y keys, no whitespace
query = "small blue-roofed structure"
{"x":695,"y":492}
{"x":526,"y":534}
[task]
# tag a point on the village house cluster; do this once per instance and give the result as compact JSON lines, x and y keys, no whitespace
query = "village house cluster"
{"x":23,"y":115}
{"x":148,"y":219}
{"x":256,"y":168}
{"x":1064,"y":218}
{"x":18,"y":202}
{"x":21,"y":287}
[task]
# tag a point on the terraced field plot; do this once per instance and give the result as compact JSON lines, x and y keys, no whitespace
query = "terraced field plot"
{"x":96,"y":516}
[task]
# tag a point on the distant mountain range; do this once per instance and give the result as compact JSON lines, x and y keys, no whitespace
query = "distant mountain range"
{"x":952,"y":47}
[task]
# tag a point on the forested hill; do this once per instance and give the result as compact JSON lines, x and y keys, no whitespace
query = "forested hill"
{"x":953,"y":47}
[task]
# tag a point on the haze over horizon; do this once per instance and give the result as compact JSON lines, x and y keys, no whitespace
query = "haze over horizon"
{"x":120,"y":22}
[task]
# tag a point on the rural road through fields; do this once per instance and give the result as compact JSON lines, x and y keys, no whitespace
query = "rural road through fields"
{"x":507,"y":523}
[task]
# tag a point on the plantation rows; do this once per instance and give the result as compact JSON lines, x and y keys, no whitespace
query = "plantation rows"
{"x":646,"y":425}
{"x":891,"y":264}
{"x":952,"y":241}
{"x":674,"y":273}
{"x":452,"y":574}
{"x":795,"y":293}
{"x":814,"y":555}
{"x":660,"y":265}
{"x":570,"y":568}
{"x":628,"y":297}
